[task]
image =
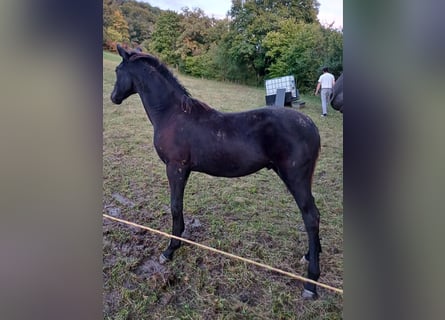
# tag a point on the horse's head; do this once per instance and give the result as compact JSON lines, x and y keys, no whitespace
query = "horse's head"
{"x":337,"y":95}
{"x":124,"y":87}
{"x":140,"y":71}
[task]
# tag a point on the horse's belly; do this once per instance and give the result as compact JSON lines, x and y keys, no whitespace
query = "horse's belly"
{"x":229,"y":166}
{"x":230,"y":172}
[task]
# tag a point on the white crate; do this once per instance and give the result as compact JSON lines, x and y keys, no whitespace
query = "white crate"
{"x":286,"y":82}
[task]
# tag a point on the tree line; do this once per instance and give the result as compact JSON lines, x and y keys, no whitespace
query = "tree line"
{"x":257,"y":40}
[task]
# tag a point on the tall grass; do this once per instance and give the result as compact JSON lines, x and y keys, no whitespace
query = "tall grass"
{"x":253,"y":216}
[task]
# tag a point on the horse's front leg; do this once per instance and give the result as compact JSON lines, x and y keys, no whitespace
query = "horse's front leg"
{"x":177,"y":178}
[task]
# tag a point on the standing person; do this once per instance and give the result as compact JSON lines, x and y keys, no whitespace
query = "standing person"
{"x":326,"y":83}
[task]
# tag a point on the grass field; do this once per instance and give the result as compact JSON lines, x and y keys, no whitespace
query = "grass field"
{"x":254,"y":217}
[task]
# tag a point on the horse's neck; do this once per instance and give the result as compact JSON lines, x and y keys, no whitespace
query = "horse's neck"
{"x":159,"y":105}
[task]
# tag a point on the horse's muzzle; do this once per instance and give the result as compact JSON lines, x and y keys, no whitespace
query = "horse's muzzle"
{"x":115,"y":99}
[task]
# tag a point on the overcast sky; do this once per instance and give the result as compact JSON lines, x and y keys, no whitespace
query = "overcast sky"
{"x":329,"y":11}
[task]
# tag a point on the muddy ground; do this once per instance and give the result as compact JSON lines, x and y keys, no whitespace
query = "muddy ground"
{"x":197,"y":284}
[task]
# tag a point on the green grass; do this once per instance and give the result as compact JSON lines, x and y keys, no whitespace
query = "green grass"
{"x":108,"y":56}
{"x":253,"y":216}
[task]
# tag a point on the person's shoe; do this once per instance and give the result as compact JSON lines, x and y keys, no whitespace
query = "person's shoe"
{"x":324,"y":115}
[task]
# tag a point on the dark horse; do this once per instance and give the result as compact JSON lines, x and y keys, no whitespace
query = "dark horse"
{"x":337,"y":95}
{"x":191,"y":136}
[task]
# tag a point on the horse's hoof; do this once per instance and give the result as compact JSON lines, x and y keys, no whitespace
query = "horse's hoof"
{"x":163,"y":259}
{"x":309,"y":295}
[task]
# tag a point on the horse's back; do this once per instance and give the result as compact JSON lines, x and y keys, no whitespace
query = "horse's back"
{"x":292,"y":124}
{"x":274,"y":123}
{"x":283,"y":133}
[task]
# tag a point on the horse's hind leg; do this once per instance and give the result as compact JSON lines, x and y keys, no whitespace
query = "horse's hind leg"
{"x":299,"y":184}
{"x":177,"y":179}
{"x":311,"y":218}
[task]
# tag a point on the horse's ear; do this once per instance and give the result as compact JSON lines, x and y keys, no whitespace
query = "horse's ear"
{"x":122,"y":52}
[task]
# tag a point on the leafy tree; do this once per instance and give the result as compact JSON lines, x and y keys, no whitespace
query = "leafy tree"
{"x":302,"y":49}
{"x":108,"y":9}
{"x":218,"y":62}
{"x":333,"y":50}
{"x":116,"y":29}
{"x":141,"y":18}
{"x":198,"y":43}
{"x":194,"y":39}
{"x":262,"y":39}
{"x":252,"y":20}
{"x":164,"y":37}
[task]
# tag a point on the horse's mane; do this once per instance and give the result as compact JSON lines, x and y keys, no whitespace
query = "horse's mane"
{"x":188,"y":102}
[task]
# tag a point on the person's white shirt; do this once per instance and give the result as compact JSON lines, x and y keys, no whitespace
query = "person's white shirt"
{"x":326,"y":81}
